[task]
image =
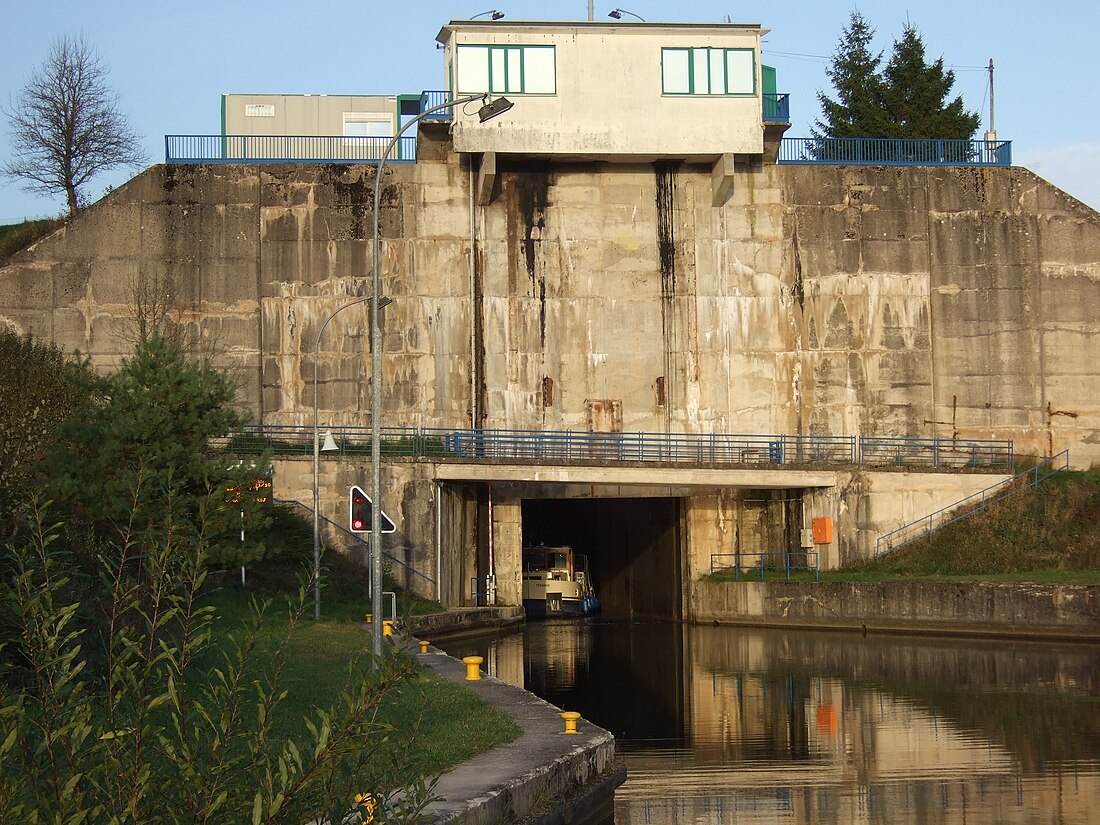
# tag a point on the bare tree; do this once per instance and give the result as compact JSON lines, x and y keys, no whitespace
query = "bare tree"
{"x":66,"y":126}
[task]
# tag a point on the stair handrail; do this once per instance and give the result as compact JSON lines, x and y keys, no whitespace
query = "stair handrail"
{"x":347,"y":533}
{"x":974,"y":503}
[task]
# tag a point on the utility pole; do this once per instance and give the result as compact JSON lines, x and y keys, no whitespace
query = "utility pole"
{"x":992,"y":133}
{"x":591,"y":11}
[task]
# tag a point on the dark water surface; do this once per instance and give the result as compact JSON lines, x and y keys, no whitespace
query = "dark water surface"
{"x":734,"y":725}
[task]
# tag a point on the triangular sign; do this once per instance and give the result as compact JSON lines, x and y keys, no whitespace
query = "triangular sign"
{"x":359,"y":513}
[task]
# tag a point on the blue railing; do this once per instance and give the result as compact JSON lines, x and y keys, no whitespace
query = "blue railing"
{"x":435,"y":98}
{"x":927,"y":526}
{"x":284,"y":149}
{"x":719,"y":449}
{"x":806,"y":561}
{"x":896,"y":151}
{"x":945,"y":453}
{"x":777,"y":108}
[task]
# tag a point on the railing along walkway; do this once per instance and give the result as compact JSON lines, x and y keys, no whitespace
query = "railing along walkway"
{"x":745,"y":564}
{"x":569,"y":447}
{"x":896,"y":151}
{"x":927,"y":526}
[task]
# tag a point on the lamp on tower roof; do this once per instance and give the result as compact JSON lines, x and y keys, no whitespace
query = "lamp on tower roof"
{"x":496,"y":15}
{"x":618,"y":14}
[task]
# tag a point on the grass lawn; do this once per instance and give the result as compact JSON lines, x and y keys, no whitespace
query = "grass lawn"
{"x":434,"y":724}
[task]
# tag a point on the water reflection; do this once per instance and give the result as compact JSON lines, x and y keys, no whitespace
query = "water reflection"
{"x":725,"y":725}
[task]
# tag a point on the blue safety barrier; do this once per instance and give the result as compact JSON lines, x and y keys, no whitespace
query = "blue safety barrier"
{"x":697,"y":449}
{"x":285,"y":149}
{"x":896,"y":151}
{"x":744,"y":565}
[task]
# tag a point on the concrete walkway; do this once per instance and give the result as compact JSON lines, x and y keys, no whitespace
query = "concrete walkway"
{"x":545,"y":776}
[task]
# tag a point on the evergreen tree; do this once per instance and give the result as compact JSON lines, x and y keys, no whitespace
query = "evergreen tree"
{"x":146,"y":446}
{"x":915,"y":95}
{"x":40,"y":387}
{"x":858,"y":110}
{"x":908,"y":98}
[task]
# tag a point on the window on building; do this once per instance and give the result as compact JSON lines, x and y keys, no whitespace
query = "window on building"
{"x":366,"y":124}
{"x":506,"y":70}
{"x":708,"y":71}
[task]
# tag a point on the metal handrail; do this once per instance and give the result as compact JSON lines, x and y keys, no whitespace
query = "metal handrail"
{"x":350,"y":535}
{"x":777,"y":107}
{"x":877,"y":451}
{"x":787,"y":562}
{"x":895,"y":151}
{"x":284,"y":149}
{"x":719,"y":449}
{"x":927,"y":526}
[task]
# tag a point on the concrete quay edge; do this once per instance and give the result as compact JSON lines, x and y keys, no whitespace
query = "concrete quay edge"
{"x":545,"y":776}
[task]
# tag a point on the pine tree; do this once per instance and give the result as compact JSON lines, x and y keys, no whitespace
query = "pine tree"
{"x":139,"y":464}
{"x":915,"y":95}
{"x":908,"y":98}
{"x":858,"y":110}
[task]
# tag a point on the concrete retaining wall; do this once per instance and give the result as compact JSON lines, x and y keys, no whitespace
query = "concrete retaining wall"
{"x":818,"y":300}
{"x":1023,"y":610}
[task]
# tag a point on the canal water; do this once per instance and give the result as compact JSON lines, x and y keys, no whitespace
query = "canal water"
{"x":735,"y":725}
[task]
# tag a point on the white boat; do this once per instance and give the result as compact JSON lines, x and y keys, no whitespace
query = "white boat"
{"x":556,"y":582}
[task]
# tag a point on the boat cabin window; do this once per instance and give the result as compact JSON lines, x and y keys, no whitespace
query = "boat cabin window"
{"x":548,"y":559}
{"x":557,"y":560}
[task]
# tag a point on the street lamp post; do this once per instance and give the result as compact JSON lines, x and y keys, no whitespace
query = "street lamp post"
{"x":317,"y":454}
{"x":489,"y":109}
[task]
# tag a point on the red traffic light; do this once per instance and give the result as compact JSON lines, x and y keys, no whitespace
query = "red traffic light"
{"x":359,"y":510}
{"x":359,"y":513}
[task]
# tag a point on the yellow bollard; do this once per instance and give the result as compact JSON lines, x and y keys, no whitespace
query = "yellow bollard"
{"x":473,"y":672}
{"x":369,"y":618}
{"x":423,"y":646}
{"x":570,"y":717}
{"x":366,"y":804}
{"x":387,"y":627}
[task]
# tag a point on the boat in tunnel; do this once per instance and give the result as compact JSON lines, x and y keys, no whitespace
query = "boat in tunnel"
{"x":557,"y":582}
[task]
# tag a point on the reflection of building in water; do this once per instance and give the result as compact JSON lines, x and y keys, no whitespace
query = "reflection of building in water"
{"x":561,"y":647}
{"x":780,"y":747}
{"x":504,"y":659}
{"x":563,"y":651}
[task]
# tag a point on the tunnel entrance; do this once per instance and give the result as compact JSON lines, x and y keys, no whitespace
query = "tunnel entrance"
{"x":632,"y":545}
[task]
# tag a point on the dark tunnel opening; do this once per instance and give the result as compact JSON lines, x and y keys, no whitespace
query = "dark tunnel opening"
{"x":632,"y":545}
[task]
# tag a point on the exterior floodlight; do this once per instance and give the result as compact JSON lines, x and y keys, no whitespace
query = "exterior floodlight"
{"x":492,"y":108}
{"x":618,"y":14}
{"x":496,"y":15}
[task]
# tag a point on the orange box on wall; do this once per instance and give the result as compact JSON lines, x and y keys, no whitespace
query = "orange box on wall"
{"x":823,"y":530}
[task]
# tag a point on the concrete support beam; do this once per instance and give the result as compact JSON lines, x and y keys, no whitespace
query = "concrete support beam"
{"x":486,"y":178}
{"x":773,"y":135}
{"x":721,"y":179}
{"x":637,"y":476}
{"x":508,"y":549}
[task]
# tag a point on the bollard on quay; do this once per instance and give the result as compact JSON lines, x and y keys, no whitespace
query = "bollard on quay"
{"x":570,"y":717}
{"x":473,"y":673}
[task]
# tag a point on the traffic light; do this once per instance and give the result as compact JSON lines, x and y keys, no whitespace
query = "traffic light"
{"x":359,"y":510}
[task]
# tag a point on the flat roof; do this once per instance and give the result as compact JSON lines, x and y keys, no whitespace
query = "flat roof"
{"x":516,"y":25}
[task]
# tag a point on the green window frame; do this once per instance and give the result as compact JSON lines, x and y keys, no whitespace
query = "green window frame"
{"x":506,"y":69}
{"x":708,"y":71}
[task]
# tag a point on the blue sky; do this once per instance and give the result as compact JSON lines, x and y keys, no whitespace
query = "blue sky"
{"x":170,"y":62}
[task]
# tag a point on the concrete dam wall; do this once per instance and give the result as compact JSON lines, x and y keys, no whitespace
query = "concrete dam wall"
{"x":818,"y":300}
{"x":854,"y":301}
